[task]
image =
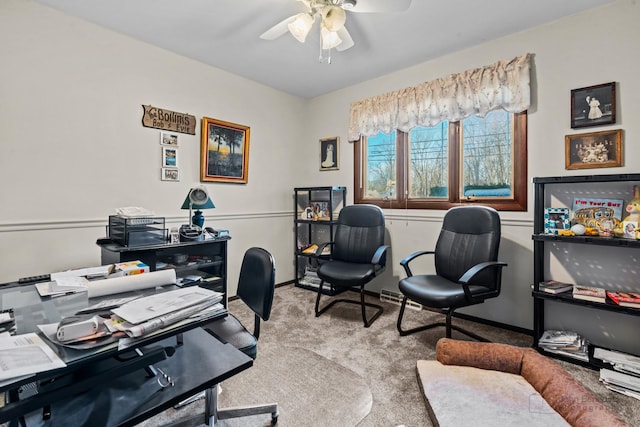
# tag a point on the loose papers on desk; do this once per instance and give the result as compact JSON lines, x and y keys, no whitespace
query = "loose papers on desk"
{"x":110,"y":286}
{"x":154,"y":306}
{"x":26,"y":354}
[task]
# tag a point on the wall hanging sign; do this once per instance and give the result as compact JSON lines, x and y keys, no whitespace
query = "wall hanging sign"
{"x":159,"y":118}
{"x":224,"y":152}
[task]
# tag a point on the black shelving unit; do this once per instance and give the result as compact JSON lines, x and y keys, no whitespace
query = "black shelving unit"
{"x":543,"y":187}
{"x":316,"y":211}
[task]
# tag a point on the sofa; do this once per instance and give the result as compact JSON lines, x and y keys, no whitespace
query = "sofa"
{"x":477,"y":384}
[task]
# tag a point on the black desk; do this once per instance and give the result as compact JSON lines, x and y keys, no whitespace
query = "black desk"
{"x":200,"y":362}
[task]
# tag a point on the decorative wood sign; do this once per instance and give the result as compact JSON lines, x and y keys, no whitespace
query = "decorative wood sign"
{"x":159,"y":118}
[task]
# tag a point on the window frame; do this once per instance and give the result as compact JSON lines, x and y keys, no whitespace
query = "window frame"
{"x":517,"y":203}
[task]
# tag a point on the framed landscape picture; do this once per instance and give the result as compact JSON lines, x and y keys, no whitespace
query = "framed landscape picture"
{"x":593,"y":105}
{"x":224,"y":152}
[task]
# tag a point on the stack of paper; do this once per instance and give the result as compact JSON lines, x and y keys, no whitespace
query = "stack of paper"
{"x":145,"y":315}
{"x":625,"y":376}
{"x":566,"y":343}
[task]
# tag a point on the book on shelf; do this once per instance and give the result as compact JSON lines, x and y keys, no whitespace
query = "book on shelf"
{"x":555,"y":287}
{"x":589,"y":293}
{"x":625,"y":299}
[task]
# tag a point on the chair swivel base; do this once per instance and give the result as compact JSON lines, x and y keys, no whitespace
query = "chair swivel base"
{"x":362,"y":303}
{"x":446,"y":324}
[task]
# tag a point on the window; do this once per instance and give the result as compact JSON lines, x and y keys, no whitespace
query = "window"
{"x":477,"y":160}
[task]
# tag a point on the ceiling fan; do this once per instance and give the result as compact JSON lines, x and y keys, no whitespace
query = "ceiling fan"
{"x":332,"y":17}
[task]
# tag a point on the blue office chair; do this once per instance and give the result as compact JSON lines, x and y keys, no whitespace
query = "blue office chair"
{"x":255,"y":288}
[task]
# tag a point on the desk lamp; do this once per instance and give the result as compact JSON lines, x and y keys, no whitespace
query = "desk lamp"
{"x":197,"y":199}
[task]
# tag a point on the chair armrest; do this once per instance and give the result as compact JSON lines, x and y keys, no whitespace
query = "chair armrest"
{"x":473,"y":271}
{"x":380,"y":256}
{"x":405,"y":262}
{"x":321,"y":247}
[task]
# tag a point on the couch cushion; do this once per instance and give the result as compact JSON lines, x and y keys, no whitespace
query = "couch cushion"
{"x":464,"y":396}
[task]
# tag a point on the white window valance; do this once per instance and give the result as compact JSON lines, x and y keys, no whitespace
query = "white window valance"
{"x":504,"y":84}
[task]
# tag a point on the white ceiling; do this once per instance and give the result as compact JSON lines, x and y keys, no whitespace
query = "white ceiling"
{"x":225,"y":34}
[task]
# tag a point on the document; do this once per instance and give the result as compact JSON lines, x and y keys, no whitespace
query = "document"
{"x":151,"y":307}
{"x":26,"y":354}
{"x":144,"y":328}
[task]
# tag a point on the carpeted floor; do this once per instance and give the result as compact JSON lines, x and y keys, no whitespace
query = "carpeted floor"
{"x":351,"y":368}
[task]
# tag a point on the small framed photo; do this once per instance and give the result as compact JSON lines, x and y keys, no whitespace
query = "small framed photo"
{"x":593,"y":105}
{"x":593,"y":150}
{"x":169,"y":157}
{"x":320,"y":210}
{"x":169,"y":138}
{"x":170,"y":174}
{"x":556,"y":219}
{"x":329,"y":153}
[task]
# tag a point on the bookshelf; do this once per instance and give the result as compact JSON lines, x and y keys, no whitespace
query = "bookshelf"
{"x":559,"y":192}
{"x":316,"y":212}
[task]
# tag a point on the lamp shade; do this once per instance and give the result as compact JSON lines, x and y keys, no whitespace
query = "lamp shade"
{"x":198,"y":198}
{"x":301,"y":26}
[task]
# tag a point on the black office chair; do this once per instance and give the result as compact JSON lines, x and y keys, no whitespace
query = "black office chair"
{"x":358,"y":254}
{"x":255,"y":288}
{"x":467,"y":270}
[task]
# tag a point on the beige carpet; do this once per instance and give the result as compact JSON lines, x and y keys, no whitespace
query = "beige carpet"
{"x":375,"y":357}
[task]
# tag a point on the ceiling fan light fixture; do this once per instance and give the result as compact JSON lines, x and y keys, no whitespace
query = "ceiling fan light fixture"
{"x":349,"y":4}
{"x":330,"y":39}
{"x":333,"y":18}
{"x":300,"y":26}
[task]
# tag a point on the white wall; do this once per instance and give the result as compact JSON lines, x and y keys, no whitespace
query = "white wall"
{"x":74,"y":147}
{"x":583,"y":50}
{"x":70,"y":114}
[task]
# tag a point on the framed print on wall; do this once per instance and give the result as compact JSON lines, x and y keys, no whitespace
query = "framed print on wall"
{"x":170,"y":174}
{"x":169,"y":157}
{"x":593,"y":105}
{"x":329,"y":153}
{"x":224,"y":152}
{"x":593,"y":150}
{"x":169,"y":138}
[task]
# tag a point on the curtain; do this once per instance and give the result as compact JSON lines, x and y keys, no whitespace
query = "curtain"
{"x":504,"y":84}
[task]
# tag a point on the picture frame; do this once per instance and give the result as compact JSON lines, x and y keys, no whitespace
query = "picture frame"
{"x":170,"y":174}
{"x":321,"y":209}
{"x":593,"y":150}
{"x":556,"y":219}
{"x":169,"y":138}
{"x":593,"y":105}
{"x":224,"y":151}
{"x":329,"y":149}
{"x":169,"y":157}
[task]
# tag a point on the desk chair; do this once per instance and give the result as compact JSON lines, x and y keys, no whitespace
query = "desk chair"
{"x":358,"y":255}
{"x":467,"y":270}
{"x":255,"y":288}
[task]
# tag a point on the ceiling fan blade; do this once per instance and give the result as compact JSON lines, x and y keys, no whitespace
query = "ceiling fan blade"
{"x":279,"y":29}
{"x":381,"y":6}
{"x":347,"y":41}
